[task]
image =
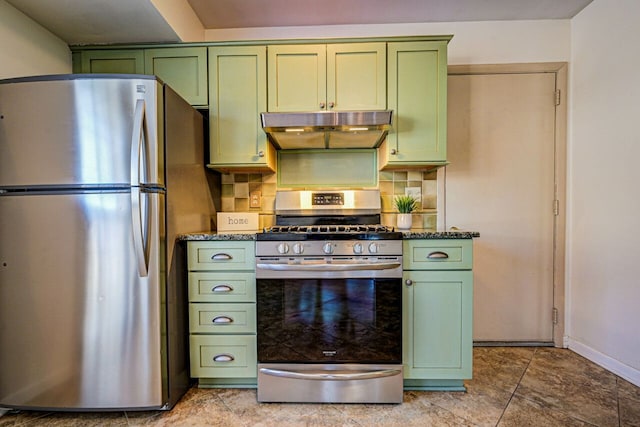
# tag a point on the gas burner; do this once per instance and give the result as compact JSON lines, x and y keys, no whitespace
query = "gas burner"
{"x":377,"y":228}
{"x":329,"y":232}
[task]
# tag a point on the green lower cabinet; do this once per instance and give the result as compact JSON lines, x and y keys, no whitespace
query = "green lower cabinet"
{"x":222,"y":313}
{"x":437,"y":329}
{"x":221,"y":361}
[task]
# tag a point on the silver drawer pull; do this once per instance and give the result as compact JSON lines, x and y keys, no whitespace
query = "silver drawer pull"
{"x":221,"y":256}
{"x":331,"y":375}
{"x":223,"y":358}
{"x":438,"y":255}
{"x":221,"y":288}
{"x":222,"y":319}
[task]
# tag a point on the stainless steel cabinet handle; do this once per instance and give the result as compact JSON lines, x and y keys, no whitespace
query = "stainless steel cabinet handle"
{"x":322,"y":105}
{"x":260,"y":153}
{"x":222,"y":319}
{"x":221,"y":256}
{"x":221,"y":288}
{"x":332,"y":376}
{"x":408,"y":282}
{"x":438,"y":255}
{"x":394,"y":151}
{"x":329,"y":267}
{"x":332,"y":104}
{"x":223,"y":358}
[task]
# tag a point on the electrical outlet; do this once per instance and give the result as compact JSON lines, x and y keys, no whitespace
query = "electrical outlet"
{"x":254,"y":199}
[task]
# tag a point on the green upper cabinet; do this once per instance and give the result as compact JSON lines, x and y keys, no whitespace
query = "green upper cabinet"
{"x":184,"y":69}
{"x":417,"y":94}
{"x":238,"y":94}
{"x":126,"y":61}
{"x":341,"y":76}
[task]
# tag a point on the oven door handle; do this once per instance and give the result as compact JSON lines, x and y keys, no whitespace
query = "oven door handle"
{"x":329,"y":266}
{"x":328,"y":375}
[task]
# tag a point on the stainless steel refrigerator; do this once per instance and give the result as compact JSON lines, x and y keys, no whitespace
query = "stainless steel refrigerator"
{"x":98,"y":174}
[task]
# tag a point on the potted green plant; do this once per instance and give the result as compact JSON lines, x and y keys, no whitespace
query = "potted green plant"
{"x":405,"y":205}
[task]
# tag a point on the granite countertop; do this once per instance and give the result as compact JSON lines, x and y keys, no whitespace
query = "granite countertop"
{"x":409,"y":234}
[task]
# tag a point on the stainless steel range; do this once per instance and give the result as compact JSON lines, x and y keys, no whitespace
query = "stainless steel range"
{"x":329,"y":301}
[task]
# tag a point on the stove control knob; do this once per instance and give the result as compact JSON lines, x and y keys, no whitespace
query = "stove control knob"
{"x":298,"y":248}
{"x":327,"y":248}
{"x":373,"y":248}
{"x":357,"y":248}
{"x":282,"y":248}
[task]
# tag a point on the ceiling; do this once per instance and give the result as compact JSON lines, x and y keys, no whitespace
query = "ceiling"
{"x":127,"y":21}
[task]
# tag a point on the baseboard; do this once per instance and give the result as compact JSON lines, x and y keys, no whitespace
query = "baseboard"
{"x":624,"y":371}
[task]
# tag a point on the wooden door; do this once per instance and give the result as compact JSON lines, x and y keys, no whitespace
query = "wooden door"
{"x":501,"y":181}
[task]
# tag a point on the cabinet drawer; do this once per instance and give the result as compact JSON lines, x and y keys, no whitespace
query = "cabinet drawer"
{"x":222,"y":287}
{"x":454,"y":254}
{"x":221,"y":255}
{"x":222,"y":318}
{"x":220,"y":356}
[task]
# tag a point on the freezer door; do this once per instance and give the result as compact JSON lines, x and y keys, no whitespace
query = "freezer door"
{"x":81,"y":131}
{"x":80,"y":327}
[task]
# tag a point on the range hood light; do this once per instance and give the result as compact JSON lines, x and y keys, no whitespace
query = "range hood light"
{"x":358,"y":129}
{"x":294,"y":130}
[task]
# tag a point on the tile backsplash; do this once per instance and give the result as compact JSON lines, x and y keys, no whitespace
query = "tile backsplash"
{"x":238,"y":190}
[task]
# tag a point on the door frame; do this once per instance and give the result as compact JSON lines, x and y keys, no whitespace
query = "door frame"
{"x":560,"y":69}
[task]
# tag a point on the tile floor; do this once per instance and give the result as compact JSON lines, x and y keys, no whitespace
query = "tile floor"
{"x":512,"y":386}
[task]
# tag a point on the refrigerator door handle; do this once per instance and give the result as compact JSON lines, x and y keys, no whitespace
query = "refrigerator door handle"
{"x":138,"y":137}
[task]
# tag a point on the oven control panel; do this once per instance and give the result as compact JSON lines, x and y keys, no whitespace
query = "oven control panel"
{"x":324,"y":199}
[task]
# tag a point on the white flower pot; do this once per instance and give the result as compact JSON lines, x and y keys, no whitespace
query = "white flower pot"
{"x":404,"y":221}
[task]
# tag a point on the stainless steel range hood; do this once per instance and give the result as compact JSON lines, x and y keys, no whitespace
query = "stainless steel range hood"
{"x":327,"y":129}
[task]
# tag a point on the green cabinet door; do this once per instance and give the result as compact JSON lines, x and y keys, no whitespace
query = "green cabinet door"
{"x":124,"y":61}
{"x":341,"y":76}
{"x":238,"y":94}
{"x":438,"y":315}
{"x":357,"y":76}
{"x":417,"y":94}
{"x":184,"y":69}
{"x":297,"y":77}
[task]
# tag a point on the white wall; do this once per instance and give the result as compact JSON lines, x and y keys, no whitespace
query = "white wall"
{"x":473,"y":42}
{"x":603,"y":274}
{"x":28,"y":49}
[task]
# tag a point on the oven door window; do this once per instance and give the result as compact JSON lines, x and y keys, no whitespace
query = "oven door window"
{"x":329,"y":320}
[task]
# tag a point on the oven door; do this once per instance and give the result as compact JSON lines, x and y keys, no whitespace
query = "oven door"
{"x":330,"y":320}
{"x":330,"y":340}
